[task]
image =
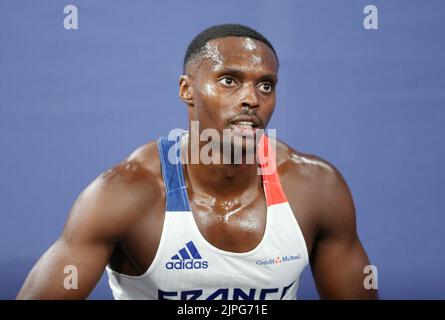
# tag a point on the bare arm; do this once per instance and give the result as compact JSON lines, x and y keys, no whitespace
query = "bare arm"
{"x":101,"y":215}
{"x":338,"y":258}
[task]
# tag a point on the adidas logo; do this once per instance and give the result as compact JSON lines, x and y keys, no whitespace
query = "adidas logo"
{"x":188,"y":258}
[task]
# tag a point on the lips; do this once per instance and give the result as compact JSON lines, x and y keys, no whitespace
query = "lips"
{"x":245,"y":125}
{"x":246,"y":122}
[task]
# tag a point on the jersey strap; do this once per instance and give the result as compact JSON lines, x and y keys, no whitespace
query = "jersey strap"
{"x":176,"y":192}
{"x":271,"y":180}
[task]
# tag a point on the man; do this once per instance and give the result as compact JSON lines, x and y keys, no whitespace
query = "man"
{"x":169,"y":228}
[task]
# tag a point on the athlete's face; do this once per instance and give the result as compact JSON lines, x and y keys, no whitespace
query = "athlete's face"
{"x":232,"y":86}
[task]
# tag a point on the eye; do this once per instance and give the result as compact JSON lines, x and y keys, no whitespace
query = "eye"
{"x":266,"y":87}
{"x":227,"y":81}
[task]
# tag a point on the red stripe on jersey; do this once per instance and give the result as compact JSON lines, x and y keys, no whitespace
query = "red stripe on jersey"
{"x":271,"y":180}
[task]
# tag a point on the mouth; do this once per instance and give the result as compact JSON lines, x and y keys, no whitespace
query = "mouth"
{"x":245,"y":125}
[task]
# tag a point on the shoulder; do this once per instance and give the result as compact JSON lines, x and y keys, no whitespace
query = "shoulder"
{"x":119,"y":197}
{"x":137,"y":177}
{"x":319,"y":182}
{"x":141,"y":169}
{"x":311,"y":169}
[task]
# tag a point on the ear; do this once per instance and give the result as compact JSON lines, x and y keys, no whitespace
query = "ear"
{"x":186,"y":89}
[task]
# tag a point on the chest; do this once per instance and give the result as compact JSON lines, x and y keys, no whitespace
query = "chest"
{"x":231,"y":224}
{"x":235,"y":226}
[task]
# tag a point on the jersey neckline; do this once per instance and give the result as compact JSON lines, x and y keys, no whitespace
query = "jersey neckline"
{"x":194,"y":225}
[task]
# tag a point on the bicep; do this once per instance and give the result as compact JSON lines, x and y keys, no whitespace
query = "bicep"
{"x":101,"y":216}
{"x":338,"y":269}
{"x":67,"y":270}
{"x":82,"y":250}
{"x":338,"y":258}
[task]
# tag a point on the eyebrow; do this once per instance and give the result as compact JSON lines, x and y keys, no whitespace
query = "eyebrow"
{"x":236,"y":72}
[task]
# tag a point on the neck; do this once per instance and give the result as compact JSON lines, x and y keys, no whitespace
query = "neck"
{"x":219,"y":178}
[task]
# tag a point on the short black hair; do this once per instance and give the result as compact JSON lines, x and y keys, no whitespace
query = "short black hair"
{"x":222,"y":31}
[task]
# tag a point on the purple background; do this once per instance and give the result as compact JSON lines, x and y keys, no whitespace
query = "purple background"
{"x":74,"y":103}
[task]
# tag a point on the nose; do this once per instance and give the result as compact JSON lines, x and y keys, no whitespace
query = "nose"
{"x":249,"y":97}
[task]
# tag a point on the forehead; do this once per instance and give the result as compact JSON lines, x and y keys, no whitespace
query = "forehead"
{"x":242,"y":53}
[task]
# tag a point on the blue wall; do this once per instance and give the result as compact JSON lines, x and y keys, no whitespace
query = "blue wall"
{"x":74,"y":103}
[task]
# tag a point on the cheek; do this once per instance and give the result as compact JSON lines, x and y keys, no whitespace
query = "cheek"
{"x":267,"y":111}
{"x":207,"y":96}
{"x":206,"y":101}
{"x":209,"y":90}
